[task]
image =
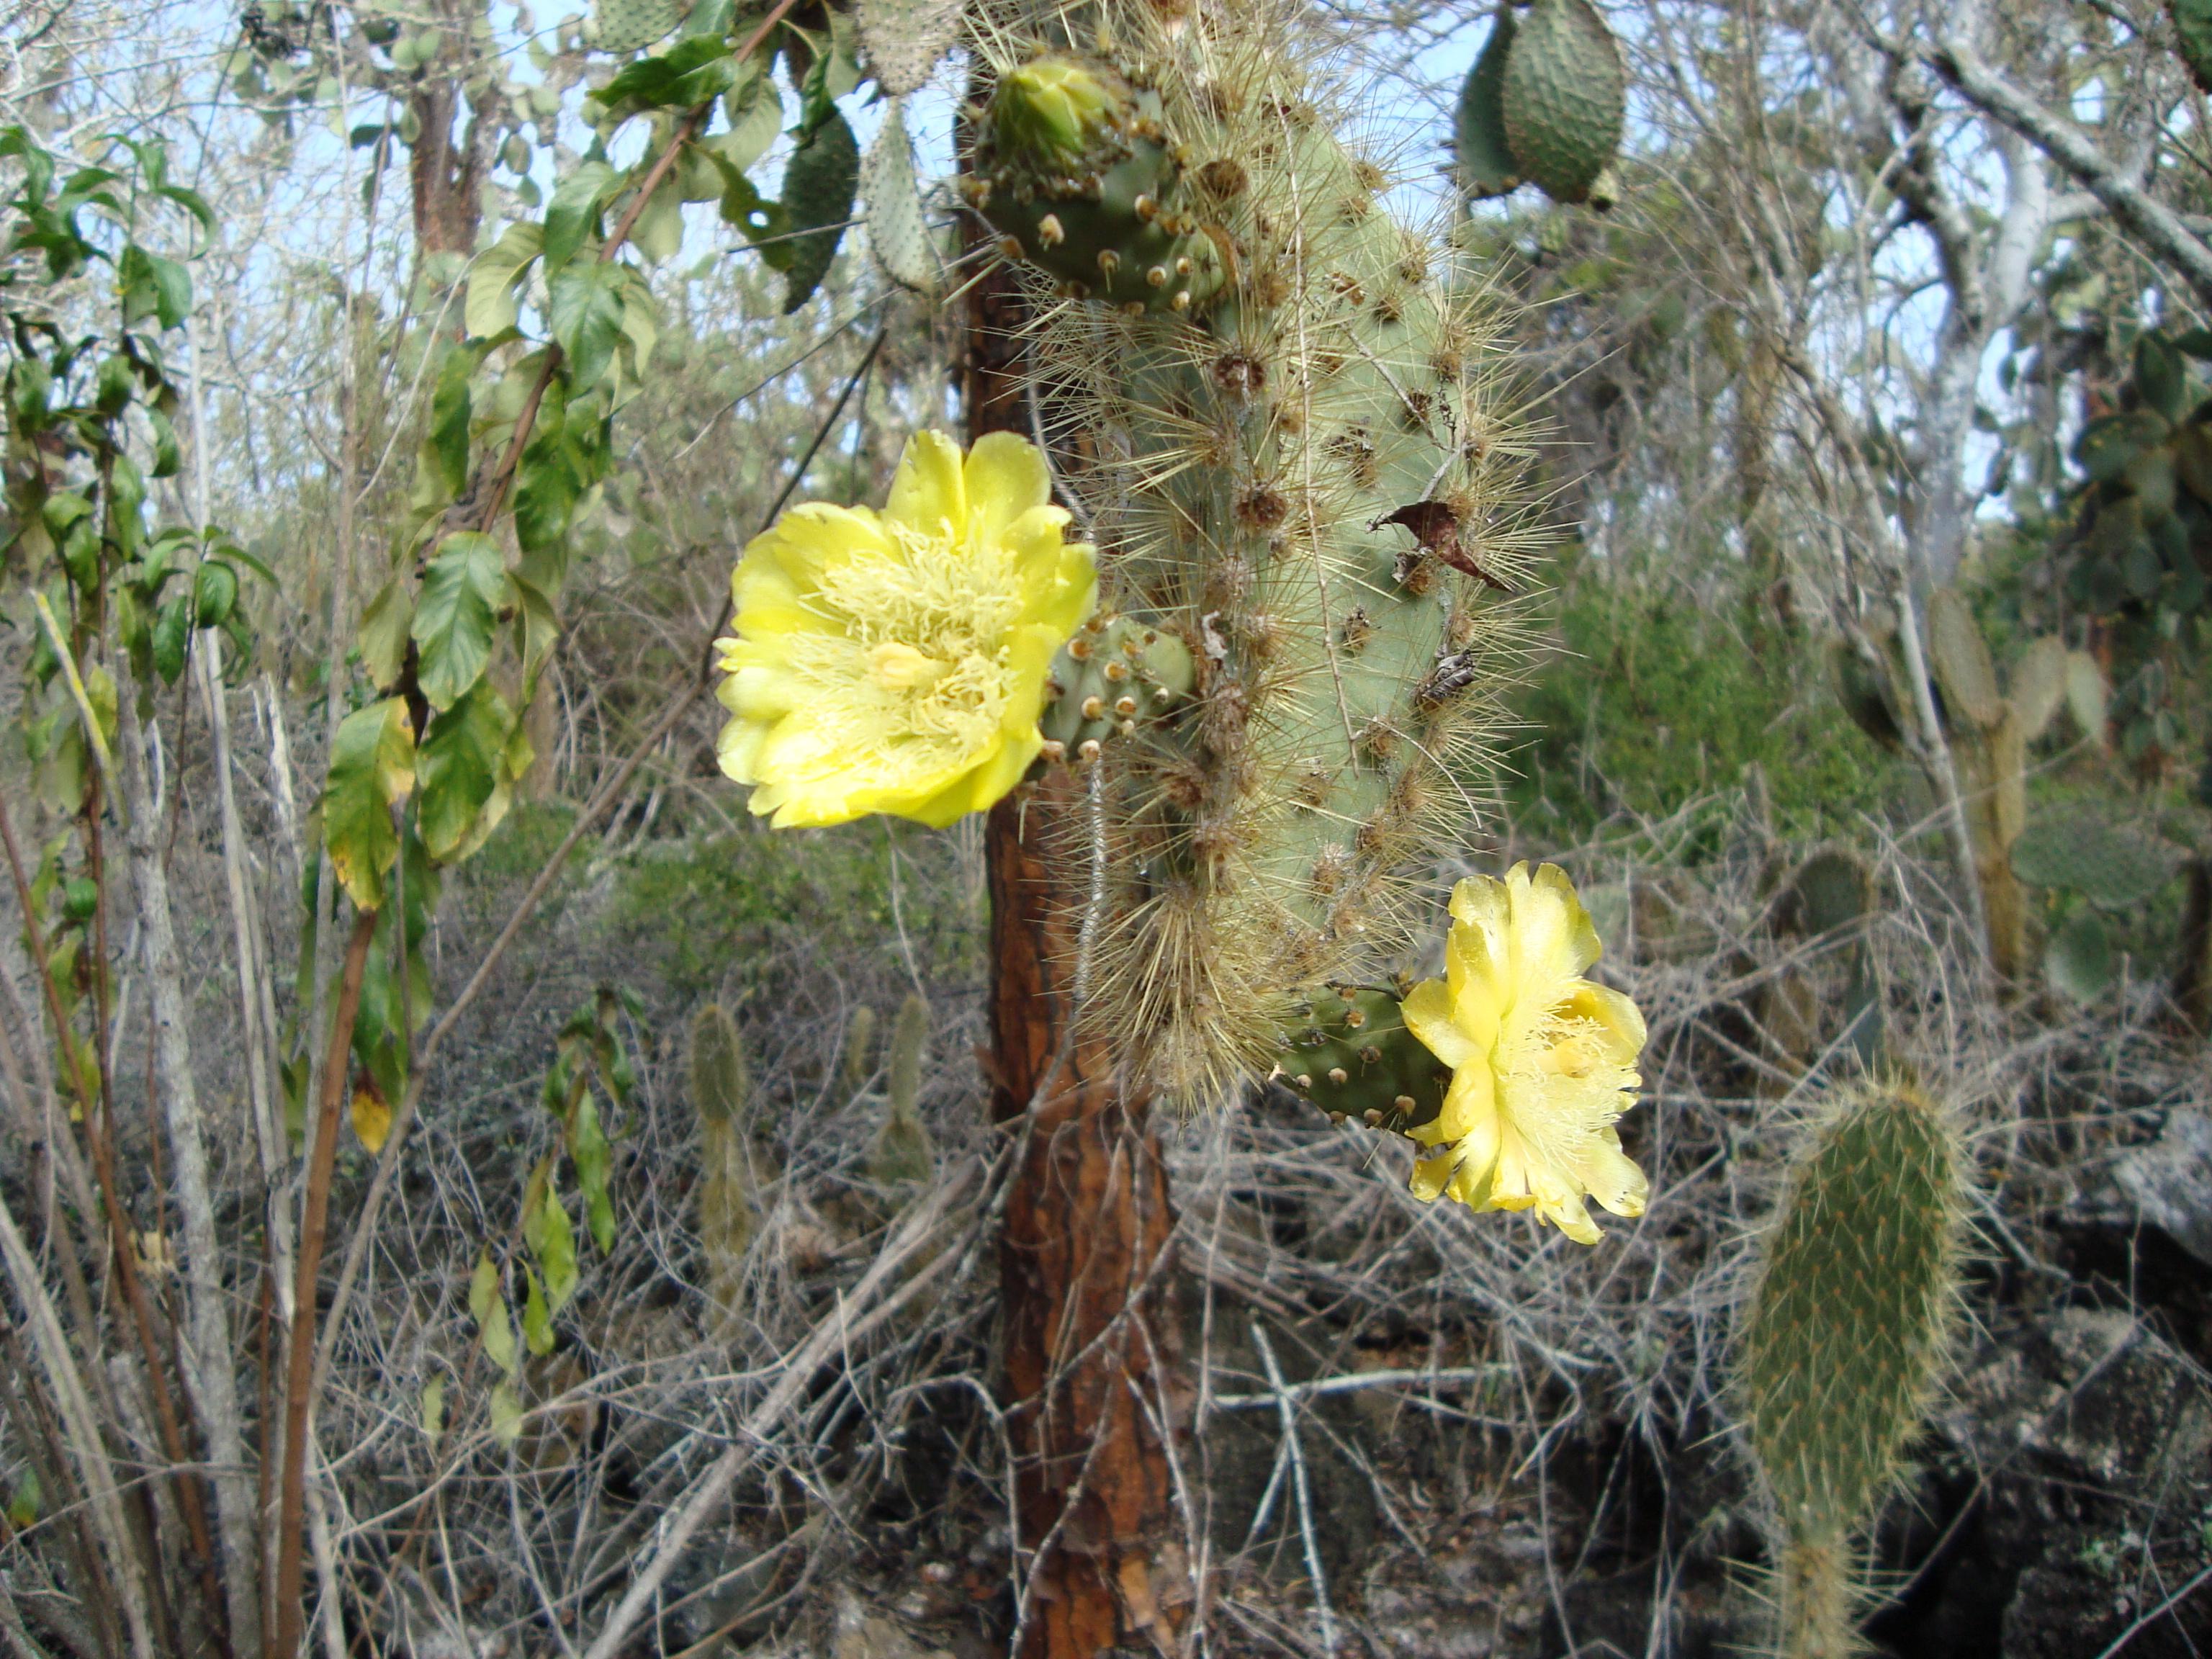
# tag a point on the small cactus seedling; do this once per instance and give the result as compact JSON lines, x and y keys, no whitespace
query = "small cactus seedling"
{"x":902,"y":1153}
{"x":1296,"y":464}
{"x":858,"y":1060}
{"x":1845,"y":1337}
{"x":721,"y":1093}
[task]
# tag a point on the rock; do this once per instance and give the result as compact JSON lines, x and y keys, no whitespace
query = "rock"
{"x":2169,"y":1181}
{"x":2075,"y":1474}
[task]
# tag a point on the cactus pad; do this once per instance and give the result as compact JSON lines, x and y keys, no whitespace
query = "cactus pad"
{"x":1563,"y":97}
{"x":2077,"y":849}
{"x":1353,"y":1057}
{"x":1844,"y":1339}
{"x":1298,"y":465}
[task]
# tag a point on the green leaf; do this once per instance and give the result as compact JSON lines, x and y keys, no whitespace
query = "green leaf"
{"x":2161,"y":381}
{"x":488,"y":1306}
{"x":461,"y":764}
{"x":587,"y":1145}
{"x":448,"y":442}
{"x":659,"y":232}
{"x":2192,"y":33}
{"x":818,"y":185}
{"x":152,"y":285}
{"x":452,"y":625}
{"x":383,"y":636}
{"x":546,"y":1229}
{"x":215,"y":594}
{"x":573,"y":213}
{"x":587,"y":317}
{"x":496,"y":274}
{"x":372,"y":770}
{"x":2110,"y":442}
{"x":765,"y":224}
{"x":506,"y":1410}
{"x":433,"y":1408}
{"x":172,"y":632}
{"x":695,"y":70}
{"x":540,"y":625}
{"x":169,"y":459}
{"x":754,"y":112}
{"x":536,"y":1320}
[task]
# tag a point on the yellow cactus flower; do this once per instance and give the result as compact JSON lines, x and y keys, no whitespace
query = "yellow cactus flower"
{"x":895,"y":661}
{"x":1543,"y":1061}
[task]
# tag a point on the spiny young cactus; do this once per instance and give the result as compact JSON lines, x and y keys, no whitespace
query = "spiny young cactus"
{"x":722,"y":1092}
{"x":857,"y":1061}
{"x":1845,"y":1337}
{"x":1295,"y":462}
{"x":902,"y":1154}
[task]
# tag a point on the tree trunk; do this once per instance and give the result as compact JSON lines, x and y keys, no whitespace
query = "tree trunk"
{"x":1092,"y":1354}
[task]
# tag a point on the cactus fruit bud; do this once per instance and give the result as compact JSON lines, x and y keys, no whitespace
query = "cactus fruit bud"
{"x":1072,"y":170}
{"x":1846,"y":1333}
{"x":1354,"y":1058}
{"x":1059,"y":114}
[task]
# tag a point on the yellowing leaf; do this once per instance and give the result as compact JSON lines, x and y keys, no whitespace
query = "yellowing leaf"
{"x":372,"y":770}
{"x":433,"y":1407}
{"x":372,"y":1118}
{"x":493,"y":277}
{"x":463,"y":757}
{"x":506,"y":1413}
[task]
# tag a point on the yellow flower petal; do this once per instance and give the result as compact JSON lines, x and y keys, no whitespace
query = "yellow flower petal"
{"x":1005,"y":479}
{"x":897,"y":662}
{"x":928,"y":493}
{"x":1543,"y":1061}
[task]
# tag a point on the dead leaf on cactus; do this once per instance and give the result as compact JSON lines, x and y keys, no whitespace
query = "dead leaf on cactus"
{"x":1437,"y":528}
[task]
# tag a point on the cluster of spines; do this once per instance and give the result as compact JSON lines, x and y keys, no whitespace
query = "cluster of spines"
{"x":1251,"y":465}
{"x":1845,"y":1337}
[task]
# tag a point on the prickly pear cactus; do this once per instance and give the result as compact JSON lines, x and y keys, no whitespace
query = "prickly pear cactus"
{"x":1278,"y":415}
{"x":1845,"y":1337}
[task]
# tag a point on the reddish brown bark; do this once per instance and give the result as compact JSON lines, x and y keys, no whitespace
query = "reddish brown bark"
{"x":1092,"y":1354}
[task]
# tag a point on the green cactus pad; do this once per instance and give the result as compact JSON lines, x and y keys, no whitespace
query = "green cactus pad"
{"x":1564,"y":97}
{"x":2077,"y":849}
{"x":633,"y":25}
{"x":1301,"y":480}
{"x":1845,"y":1337}
{"x":1352,"y":1056}
{"x":1480,"y":146}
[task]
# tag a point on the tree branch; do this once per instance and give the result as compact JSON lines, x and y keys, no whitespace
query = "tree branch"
{"x":2156,"y":226}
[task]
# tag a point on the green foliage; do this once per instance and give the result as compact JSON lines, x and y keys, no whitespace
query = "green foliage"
{"x":1844,"y":1339}
{"x":2192,"y":33}
{"x":1651,"y":702}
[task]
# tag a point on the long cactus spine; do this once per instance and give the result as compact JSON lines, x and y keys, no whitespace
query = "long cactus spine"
{"x":1294,"y":456}
{"x":1844,"y":1341}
